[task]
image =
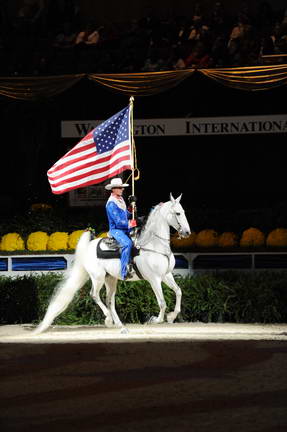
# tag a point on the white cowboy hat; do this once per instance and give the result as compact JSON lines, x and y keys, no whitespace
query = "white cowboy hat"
{"x":116,"y":183}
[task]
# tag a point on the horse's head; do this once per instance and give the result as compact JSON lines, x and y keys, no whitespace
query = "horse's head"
{"x":176,"y":217}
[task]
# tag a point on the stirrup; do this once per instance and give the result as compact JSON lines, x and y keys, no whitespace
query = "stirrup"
{"x":130,"y":271}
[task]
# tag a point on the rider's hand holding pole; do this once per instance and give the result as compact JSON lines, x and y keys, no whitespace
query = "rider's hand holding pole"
{"x":132,"y":200}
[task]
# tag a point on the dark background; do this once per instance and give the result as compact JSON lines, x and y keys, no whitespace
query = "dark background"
{"x":126,"y":10}
{"x":222,"y":178}
{"x":237,"y":171}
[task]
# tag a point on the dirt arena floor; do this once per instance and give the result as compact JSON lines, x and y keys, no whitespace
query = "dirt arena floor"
{"x":180,"y":377}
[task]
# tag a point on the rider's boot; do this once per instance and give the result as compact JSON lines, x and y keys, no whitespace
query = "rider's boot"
{"x":130,"y":271}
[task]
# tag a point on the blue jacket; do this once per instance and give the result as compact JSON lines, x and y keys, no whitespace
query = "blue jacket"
{"x":117,"y":217}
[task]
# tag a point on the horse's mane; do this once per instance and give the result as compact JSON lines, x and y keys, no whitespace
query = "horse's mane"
{"x":147,"y":228}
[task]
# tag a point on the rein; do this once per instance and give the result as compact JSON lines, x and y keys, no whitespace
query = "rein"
{"x":158,"y":252}
{"x":161,"y":238}
{"x":155,"y":251}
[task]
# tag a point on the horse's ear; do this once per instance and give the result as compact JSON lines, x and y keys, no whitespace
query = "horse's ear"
{"x":171,"y":198}
{"x":178,"y":198}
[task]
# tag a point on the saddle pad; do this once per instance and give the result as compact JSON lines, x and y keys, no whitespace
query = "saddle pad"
{"x":108,"y":248}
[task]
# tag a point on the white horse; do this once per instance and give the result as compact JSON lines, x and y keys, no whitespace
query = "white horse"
{"x":155,"y":263}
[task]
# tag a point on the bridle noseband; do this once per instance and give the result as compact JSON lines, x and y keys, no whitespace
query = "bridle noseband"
{"x":179,"y":228}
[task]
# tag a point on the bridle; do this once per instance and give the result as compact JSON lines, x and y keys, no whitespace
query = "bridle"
{"x":179,"y":229}
{"x":168,"y":255}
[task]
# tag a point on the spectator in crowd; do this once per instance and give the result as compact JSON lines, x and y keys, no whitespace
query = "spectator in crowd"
{"x":267,"y":44}
{"x":197,"y":58}
{"x":89,"y":36}
{"x":234,"y":45}
{"x":160,"y":58}
{"x":47,"y":36}
{"x":86,"y":47}
{"x":218,"y":51}
{"x":66,"y":37}
{"x":280,"y":37}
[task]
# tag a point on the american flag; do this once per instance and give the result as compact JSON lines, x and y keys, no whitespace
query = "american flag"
{"x":102,"y":153}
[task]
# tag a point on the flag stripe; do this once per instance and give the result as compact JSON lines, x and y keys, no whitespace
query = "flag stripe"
{"x":84,"y":142}
{"x":71,"y":165}
{"x":101,"y":154}
{"x":93,"y":179}
{"x":92,"y":168}
{"x":97,"y":173}
{"x":72,"y":156}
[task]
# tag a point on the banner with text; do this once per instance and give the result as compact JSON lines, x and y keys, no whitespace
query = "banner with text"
{"x":189,"y":126}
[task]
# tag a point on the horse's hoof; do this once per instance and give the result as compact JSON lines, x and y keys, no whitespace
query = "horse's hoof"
{"x":109,"y":322}
{"x":170,"y":317}
{"x":124,"y":330}
{"x":36,"y":332}
{"x":153,"y":320}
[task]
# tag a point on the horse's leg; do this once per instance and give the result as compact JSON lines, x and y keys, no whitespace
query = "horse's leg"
{"x":98,"y":283}
{"x":111,"y":287}
{"x":157,"y":289}
{"x":169,"y":280}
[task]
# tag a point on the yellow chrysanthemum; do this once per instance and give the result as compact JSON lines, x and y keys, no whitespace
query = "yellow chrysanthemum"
{"x":252,"y":237}
{"x":183,"y":242}
{"x":102,"y":234}
{"x":207,"y":238}
{"x":58,"y":241}
{"x":12,"y":242}
{"x":227,"y":239}
{"x":37,"y":241}
{"x":74,"y":238}
{"x":277,"y":237}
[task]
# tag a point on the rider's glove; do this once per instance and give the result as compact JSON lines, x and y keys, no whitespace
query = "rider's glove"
{"x":132,"y":199}
{"x":132,"y":223}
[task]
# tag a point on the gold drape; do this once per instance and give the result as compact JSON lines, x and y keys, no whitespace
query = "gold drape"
{"x":249,"y":78}
{"x":144,"y":84}
{"x":34,"y":88}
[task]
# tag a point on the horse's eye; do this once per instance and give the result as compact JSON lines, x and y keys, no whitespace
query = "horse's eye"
{"x":177,"y":214}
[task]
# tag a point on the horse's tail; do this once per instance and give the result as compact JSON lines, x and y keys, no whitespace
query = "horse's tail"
{"x":66,"y":289}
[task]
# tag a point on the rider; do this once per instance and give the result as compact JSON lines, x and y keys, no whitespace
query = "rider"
{"x":120,"y":222}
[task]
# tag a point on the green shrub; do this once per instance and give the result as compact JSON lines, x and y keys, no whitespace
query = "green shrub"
{"x":255,"y":297}
{"x":18,"y":300}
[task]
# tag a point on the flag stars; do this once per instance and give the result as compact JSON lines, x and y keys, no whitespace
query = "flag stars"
{"x":112,"y":131}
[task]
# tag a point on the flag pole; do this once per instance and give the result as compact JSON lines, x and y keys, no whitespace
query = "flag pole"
{"x":132,"y":152}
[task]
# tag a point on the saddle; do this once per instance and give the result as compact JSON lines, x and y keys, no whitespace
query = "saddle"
{"x":109,"y":248}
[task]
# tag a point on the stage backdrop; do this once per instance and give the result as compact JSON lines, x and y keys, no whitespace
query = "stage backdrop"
{"x":240,"y":170}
